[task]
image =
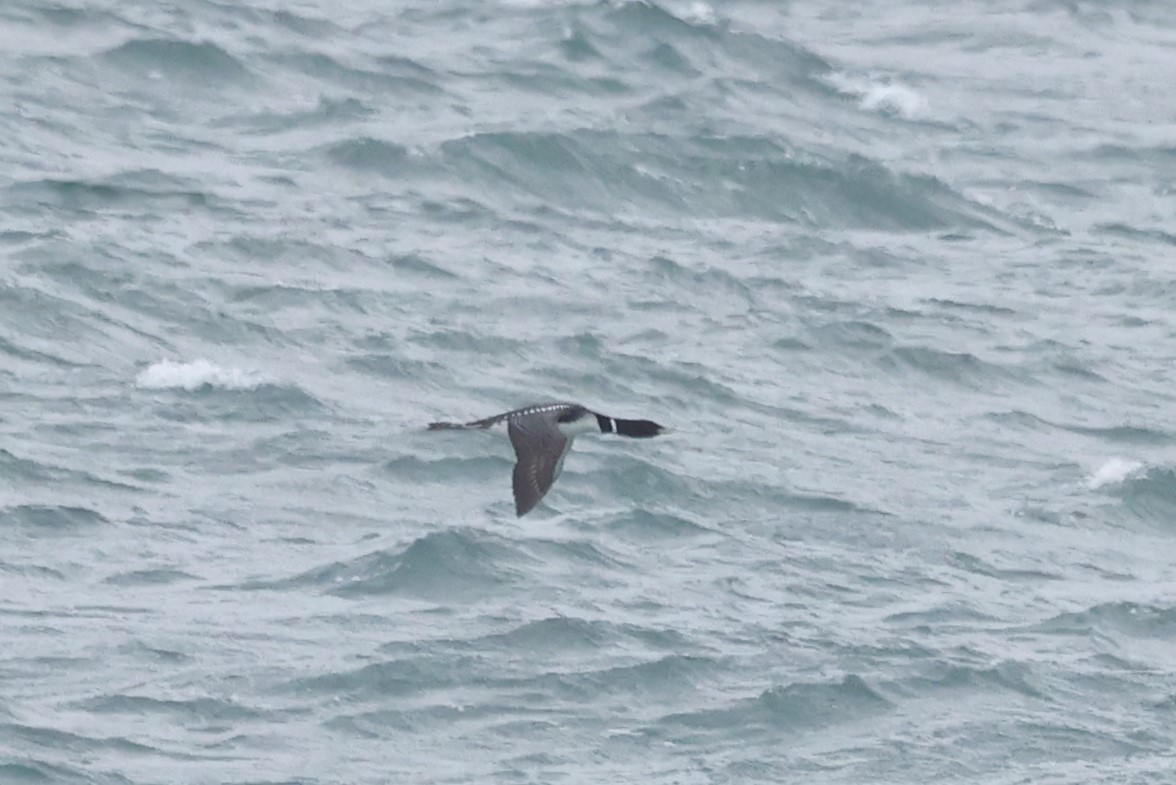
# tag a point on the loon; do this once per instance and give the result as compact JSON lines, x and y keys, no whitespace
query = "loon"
{"x":542,"y":435}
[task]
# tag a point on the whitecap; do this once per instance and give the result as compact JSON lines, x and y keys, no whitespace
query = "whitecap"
{"x":1113,"y":472}
{"x":699,"y":13}
{"x":168,"y":374}
{"x":882,"y":95}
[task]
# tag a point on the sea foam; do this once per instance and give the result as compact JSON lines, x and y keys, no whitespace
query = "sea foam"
{"x":1113,"y":472}
{"x":168,"y":374}
{"x":882,"y":95}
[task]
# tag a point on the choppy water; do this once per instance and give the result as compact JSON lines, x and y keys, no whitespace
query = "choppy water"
{"x":900,"y":277}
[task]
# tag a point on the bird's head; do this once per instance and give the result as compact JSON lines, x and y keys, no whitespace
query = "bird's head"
{"x":640,"y":429}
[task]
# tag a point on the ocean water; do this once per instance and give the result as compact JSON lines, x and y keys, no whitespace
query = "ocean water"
{"x":899,"y":275}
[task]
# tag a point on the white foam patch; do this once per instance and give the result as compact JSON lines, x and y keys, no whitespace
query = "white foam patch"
{"x":884,"y":96}
{"x":1113,"y":472}
{"x":168,"y":374}
{"x":699,"y":13}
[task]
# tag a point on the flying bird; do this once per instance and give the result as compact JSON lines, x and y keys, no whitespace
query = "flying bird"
{"x":542,"y":434}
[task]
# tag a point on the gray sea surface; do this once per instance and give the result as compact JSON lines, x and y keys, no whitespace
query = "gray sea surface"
{"x":900,"y":275}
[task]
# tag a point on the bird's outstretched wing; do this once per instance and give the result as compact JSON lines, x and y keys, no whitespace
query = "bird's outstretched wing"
{"x":539,"y":448}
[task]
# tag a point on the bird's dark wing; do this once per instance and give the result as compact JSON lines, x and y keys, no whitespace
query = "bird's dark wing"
{"x":538,"y":446}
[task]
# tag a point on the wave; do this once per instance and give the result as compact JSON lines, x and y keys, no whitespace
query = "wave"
{"x":447,"y":565}
{"x":796,"y":707}
{"x":640,"y":523}
{"x":1159,"y":236}
{"x":221,"y":393}
{"x":689,"y":42}
{"x":554,"y":635}
{"x":187,"y":711}
{"x":882,"y":94}
{"x":979,"y":566}
{"x":329,"y":112}
{"x":30,"y":570}
{"x":391,"y":77}
{"x":31,"y":771}
{"x":194,"y":375}
{"x":761,"y":178}
{"x":51,"y":517}
{"x":393,"y":365}
{"x":396,"y":678}
{"x":670,"y":675}
{"x":1113,"y":434}
{"x":1114,"y":471}
{"x":961,"y":368}
{"x":1005,"y":677}
{"x":156,"y":577}
{"x":204,"y":64}
{"x":487,"y":468}
{"x":147,"y":193}
{"x":32,"y":738}
{"x":45,"y":474}
{"x":570,"y":635}
{"x":854,"y":334}
{"x":36,"y":356}
{"x":1148,"y":493}
{"x":1123,"y":434}
{"x":1113,"y":620}
{"x":641,"y":478}
{"x":372,"y":155}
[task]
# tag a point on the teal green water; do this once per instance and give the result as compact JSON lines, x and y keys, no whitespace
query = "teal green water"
{"x":899,"y":279}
